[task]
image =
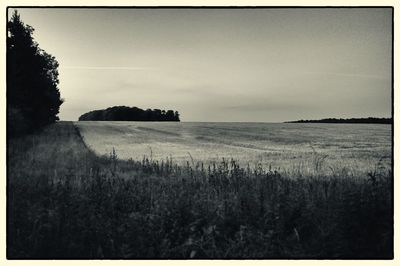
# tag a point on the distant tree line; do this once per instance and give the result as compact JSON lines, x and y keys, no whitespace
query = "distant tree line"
{"x":33,"y":97}
{"x":369,"y":120}
{"x":125,"y":113}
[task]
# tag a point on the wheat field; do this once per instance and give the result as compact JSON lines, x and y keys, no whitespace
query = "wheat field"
{"x":353,"y":149}
{"x":65,"y":201}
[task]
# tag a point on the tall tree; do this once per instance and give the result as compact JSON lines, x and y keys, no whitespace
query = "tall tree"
{"x":177,"y":116}
{"x":33,"y":98}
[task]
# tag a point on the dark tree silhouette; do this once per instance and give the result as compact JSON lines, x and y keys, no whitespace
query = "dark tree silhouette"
{"x":124,"y":113}
{"x":369,"y":120}
{"x":176,"y":116}
{"x":33,"y":98}
{"x":169,"y":115}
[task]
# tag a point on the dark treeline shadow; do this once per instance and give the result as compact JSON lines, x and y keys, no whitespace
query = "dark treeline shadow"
{"x":369,"y":120}
{"x":124,"y":113}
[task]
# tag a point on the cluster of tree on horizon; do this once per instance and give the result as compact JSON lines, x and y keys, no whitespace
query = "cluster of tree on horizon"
{"x":33,"y":98}
{"x":125,"y":113}
{"x":369,"y":120}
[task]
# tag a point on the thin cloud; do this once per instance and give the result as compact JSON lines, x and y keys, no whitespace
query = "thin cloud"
{"x":351,"y":75}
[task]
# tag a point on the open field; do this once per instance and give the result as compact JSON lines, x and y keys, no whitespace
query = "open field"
{"x":65,"y":202}
{"x":354,"y":148}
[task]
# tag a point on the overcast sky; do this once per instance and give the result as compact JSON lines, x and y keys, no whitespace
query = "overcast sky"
{"x":261,"y":65}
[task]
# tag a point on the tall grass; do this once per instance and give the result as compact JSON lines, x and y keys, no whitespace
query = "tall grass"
{"x":65,"y":202}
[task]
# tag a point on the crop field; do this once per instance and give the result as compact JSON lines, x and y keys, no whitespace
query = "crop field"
{"x":299,"y":148}
{"x":65,"y":201}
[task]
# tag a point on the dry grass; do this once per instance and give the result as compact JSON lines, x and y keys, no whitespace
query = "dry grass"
{"x":291,"y":148}
{"x":65,"y":202}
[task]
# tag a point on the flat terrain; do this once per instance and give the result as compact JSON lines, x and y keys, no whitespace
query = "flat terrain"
{"x":64,"y":201}
{"x":354,"y":148}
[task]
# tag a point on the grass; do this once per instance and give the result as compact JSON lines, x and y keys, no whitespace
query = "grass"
{"x":65,"y":202}
{"x":287,"y":147}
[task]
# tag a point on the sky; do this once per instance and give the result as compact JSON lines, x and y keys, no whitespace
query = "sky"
{"x":221,"y":65}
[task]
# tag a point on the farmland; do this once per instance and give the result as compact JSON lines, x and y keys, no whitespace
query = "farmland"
{"x":66,"y":201}
{"x":293,"y":148}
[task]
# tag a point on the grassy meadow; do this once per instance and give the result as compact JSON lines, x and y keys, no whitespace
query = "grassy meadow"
{"x":66,"y":201}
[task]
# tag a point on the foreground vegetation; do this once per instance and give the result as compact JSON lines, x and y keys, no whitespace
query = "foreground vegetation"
{"x":65,"y":202}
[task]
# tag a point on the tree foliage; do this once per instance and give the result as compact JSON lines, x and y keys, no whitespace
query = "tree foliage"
{"x":124,"y":113}
{"x":33,"y":98}
{"x":369,"y":120}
